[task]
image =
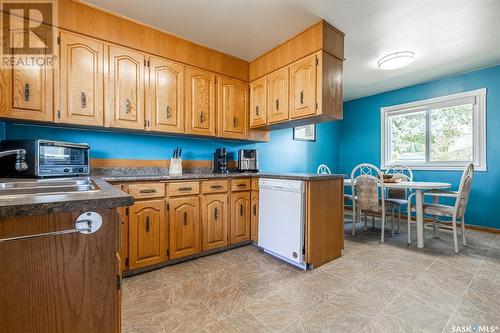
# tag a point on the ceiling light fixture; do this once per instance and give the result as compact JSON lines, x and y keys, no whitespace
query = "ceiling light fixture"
{"x":396,"y":60}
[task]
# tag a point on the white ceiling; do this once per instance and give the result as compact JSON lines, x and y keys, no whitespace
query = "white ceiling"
{"x":448,"y":36}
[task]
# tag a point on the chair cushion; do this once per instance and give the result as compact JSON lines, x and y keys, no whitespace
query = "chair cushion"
{"x":394,"y":201}
{"x":437,"y":209}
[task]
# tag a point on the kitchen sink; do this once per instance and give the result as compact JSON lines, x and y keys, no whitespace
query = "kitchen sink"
{"x":47,"y":187}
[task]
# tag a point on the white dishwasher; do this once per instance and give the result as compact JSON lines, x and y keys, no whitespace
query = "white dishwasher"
{"x":281,"y":219}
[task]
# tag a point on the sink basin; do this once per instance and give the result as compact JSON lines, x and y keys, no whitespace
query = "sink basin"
{"x":47,"y":187}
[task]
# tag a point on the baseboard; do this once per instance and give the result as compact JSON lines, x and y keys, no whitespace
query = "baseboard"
{"x":427,"y":220}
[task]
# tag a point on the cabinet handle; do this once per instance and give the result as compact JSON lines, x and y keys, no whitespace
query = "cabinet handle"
{"x":169,"y":114}
{"x":148,"y":123}
{"x":241,"y":210}
{"x":147,"y":223}
{"x":185,"y":218}
{"x":235,"y":121}
{"x":83,"y":100}
{"x":127,"y":105}
{"x":148,"y":190}
{"x":302,"y":97}
{"x":215,"y":186}
{"x":242,"y":185}
{"x":202,"y":117}
{"x":27,"y":88}
{"x":216,"y":214}
{"x":256,"y":110}
{"x":187,"y":188}
{"x":277,"y":104}
{"x":255,"y":210}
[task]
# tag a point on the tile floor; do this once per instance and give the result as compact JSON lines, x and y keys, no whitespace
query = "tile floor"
{"x":374,"y":287}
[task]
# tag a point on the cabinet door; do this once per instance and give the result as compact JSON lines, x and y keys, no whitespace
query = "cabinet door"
{"x":240,"y":217}
{"x":254,"y":220}
{"x":126,"y":88}
{"x":26,"y":93}
{"x":200,"y":101}
{"x":303,"y":87}
{"x":232,"y":108}
{"x":165,"y":102}
{"x":82,"y":93}
{"x":214,"y":221}
{"x":278,"y":96}
{"x":258,"y":102}
{"x":184,"y":226}
{"x":147,"y":243}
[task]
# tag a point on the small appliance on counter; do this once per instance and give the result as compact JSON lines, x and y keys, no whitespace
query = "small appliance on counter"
{"x":46,"y":158}
{"x":176,"y":162}
{"x":248,"y":160}
{"x":219,"y":163}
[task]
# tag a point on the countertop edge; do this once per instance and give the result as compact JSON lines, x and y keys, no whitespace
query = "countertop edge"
{"x":201,"y":176}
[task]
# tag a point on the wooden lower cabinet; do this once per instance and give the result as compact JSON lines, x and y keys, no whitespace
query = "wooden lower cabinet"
{"x":214,"y":221}
{"x":254,"y":219}
{"x":240,"y":217}
{"x":184,"y":222}
{"x":147,"y":233}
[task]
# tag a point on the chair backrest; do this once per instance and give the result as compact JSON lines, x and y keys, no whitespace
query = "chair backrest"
{"x":366,"y":183}
{"x":323,"y":169}
{"x":403,"y":172}
{"x":464,"y":190}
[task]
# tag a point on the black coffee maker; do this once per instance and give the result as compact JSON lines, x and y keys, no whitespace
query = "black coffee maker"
{"x":219,"y":163}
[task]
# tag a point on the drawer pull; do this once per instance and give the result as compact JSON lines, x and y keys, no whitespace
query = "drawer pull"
{"x":147,"y":190}
{"x":242,"y":185}
{"x":148,"y":222}
{"x":216,"y":186}
{"x":185,"y":188}
{"x":185,"y":218}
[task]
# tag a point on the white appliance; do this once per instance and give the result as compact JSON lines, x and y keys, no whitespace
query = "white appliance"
{"x":281,"y":219}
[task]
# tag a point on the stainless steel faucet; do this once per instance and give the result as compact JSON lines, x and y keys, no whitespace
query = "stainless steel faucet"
{"x":21,"y":164}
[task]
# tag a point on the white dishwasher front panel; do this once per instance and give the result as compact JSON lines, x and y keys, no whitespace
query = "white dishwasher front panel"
{"x":281,"y":219}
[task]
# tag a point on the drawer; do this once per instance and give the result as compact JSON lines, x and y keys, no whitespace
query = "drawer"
{"x":255,"y":184}
{"x":214,"y":186}
{"x":147,"y":190}
{"x":183,"y":188}
{"x":240,"y":184}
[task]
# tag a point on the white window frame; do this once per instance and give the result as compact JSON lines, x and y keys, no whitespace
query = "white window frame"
{"x":479,"y":130}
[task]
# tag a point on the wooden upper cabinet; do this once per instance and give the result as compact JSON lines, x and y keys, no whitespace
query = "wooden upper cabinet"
{"x":240,"y":217}
{"x":200,"y":101}
{"x":232,"y":108}
{"x":147,"y":242}
{"x":82,"y":68}
{"x":215,"y":221}
{"x":165,"y":96}
{"x":126,"y":88}
{"x":303,"y":75}
{"x":277,"y":99}
{"x":184,"y":225}
{"x":258,"y":102}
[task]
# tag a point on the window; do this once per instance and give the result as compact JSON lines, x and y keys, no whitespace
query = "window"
{"x":441,"y":133}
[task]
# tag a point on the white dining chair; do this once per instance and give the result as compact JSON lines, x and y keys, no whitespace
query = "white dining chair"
{"x":323,"y":169}
{"x":455,"y":212}
{"x":368,"y":194}
{"x":398,"y":198}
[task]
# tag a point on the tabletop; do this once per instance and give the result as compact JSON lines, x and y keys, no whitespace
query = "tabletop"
{"x":411,"y":185}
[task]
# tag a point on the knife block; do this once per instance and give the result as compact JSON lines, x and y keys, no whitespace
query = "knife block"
{"x":175,"y":166}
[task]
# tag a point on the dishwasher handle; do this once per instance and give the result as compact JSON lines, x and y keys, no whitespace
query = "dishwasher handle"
{"x":87,"y":223}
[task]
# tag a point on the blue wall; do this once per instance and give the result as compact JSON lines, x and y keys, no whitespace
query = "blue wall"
{"x":360,"y":136}
{"x":281,"y":154}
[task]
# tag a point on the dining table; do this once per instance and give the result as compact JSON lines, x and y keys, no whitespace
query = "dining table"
{"x":419,"y":188}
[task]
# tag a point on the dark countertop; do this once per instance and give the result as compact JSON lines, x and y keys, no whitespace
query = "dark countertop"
{"x":196,"y":176}
{"x":107,"y":197}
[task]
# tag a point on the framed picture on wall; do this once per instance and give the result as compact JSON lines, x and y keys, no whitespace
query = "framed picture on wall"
{"x":305,"y":133}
